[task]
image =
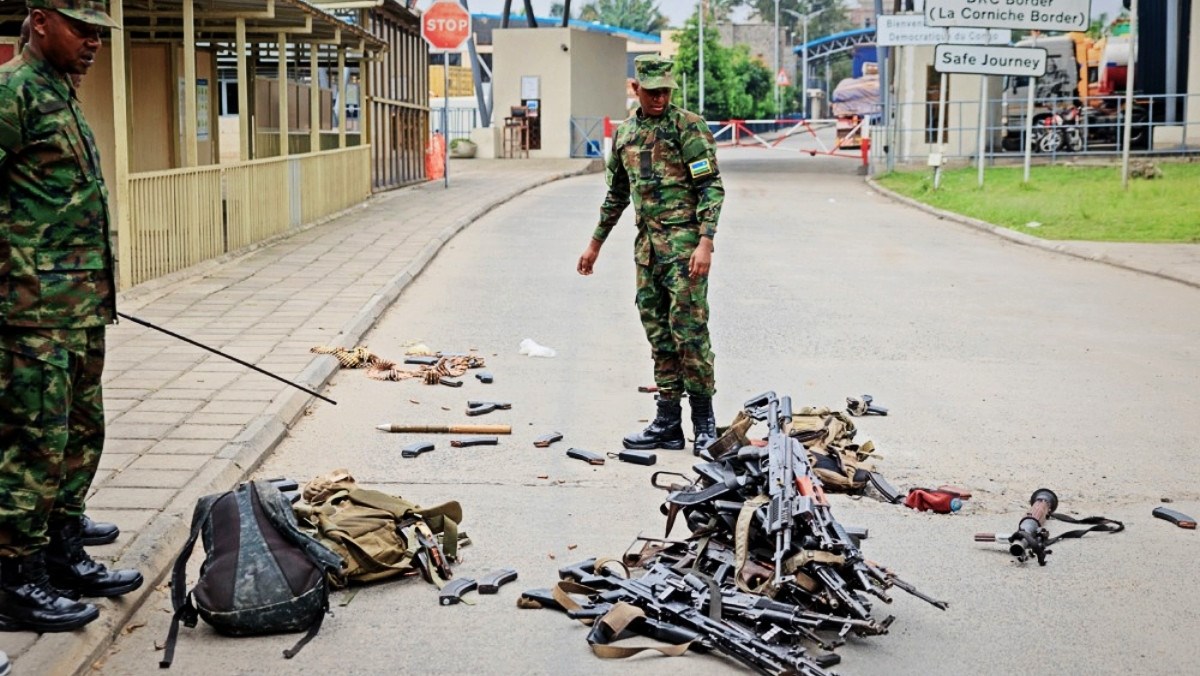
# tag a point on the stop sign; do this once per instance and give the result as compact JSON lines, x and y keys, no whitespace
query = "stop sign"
{"x":446,"y":25}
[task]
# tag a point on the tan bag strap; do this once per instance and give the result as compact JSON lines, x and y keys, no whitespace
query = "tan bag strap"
{"x":616,"y":620}
{"x":741,"y":543}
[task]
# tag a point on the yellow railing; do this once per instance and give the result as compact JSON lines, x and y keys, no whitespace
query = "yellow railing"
{"x":181,"y":217}
{"x":332,"y":181}
{"x":175,"y":220}
{"x":267,"y":143}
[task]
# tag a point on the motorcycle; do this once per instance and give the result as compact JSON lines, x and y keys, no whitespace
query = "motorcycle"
{"x":1056,"y":132}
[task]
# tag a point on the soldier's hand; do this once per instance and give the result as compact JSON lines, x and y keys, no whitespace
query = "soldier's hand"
{"x":701,"y":260}
{"x":588,"y":258}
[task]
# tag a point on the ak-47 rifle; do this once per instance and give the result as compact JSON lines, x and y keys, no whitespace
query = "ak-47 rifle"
{"x":664,"y":596}
{"x":795,"y":491}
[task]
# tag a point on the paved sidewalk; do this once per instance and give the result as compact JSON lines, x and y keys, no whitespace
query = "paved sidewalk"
{"x":1176,"y":262}
{"x":184,"y":423}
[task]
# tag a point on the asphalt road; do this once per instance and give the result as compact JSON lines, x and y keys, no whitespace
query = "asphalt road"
{"x":1005,"y":369}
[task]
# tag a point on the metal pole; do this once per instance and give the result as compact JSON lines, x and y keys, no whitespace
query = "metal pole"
{"x":446,"y":120}
{"x":804,"y":71}
{"x":776,"y":69}
{"x":231,"y":358}
{"x":701,"y":111}
{"x":1029,"y":120}
{"x":982,"y":124}
{"x":1125,"y":145}
{"x":982,"y":116}
{"x":884,"y":87}
{"x":941,"y":130}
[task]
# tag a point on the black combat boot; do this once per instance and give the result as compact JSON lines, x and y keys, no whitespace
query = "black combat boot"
{"x":703,"y":423}
{"x":29,"y":603}
{"x":666,"y":431}
{"x":73,"y":570}
{"x":98,"y":532}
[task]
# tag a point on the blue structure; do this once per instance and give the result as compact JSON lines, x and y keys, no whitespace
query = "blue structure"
{"x":823,"y":48}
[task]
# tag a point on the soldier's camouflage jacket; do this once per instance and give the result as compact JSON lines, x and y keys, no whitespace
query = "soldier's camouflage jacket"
{"x":667,"y":166}
{"x":56,"y":267}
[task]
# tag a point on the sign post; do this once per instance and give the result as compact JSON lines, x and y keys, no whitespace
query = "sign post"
{"x":1038,"y":15}
{"x":988,"y":60}
{"x":446,"y":25}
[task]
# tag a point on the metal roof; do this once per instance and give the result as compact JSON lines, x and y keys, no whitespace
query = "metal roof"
{"x":215,"y":21}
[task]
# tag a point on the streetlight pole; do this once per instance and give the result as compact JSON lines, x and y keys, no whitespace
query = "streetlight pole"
{"x":775,"y":74}
{"x":701,"y":106}
{"x":804,"y":19}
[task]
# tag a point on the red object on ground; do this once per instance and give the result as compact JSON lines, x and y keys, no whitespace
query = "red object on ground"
{"x":866,"y":148}
{"x":938,"y":501}
{"x":435,"y":157}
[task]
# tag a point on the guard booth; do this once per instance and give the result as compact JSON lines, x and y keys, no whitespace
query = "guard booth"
{"x":150,"y":100}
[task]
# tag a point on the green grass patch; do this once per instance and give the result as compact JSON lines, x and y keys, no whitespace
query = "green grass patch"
{"x":1085,"y":203}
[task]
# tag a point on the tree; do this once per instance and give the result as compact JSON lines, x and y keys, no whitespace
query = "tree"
{"x":638,"y":15}
{"x":736,"y":86}
{"x":557,"y":9}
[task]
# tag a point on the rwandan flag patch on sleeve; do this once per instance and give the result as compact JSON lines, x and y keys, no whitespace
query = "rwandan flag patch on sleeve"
{"x":700,"y":168}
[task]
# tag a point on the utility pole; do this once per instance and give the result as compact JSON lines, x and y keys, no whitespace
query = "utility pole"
{"x":701,"y":111}
{"x":775,"y":71}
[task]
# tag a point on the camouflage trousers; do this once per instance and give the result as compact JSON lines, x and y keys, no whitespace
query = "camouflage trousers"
{"x":674,"y":313}
{"x":51,"y":430}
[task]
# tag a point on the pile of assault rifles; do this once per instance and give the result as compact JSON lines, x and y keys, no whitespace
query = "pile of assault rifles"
{"x":768,"y":576}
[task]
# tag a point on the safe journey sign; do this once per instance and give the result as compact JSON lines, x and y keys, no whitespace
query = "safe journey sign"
{"x":1047,"y":15}
{"x":987,"y":60}
{"x":894,"y":30}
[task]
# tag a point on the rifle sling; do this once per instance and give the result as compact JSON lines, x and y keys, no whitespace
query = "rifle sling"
{"x":741,"y":543}
{"x":616,"y":621}
{"x":1098,"y":523}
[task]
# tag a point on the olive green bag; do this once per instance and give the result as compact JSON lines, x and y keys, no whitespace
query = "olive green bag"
{"x":376,"y":534}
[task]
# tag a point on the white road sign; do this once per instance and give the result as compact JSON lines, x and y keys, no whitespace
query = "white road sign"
{"x":894,"y":30}
{"x":986,"y":60}
{"x":1046,"y":15}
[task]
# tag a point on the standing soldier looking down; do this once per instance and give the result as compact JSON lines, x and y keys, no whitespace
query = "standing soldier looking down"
{"x":664,"y":160}
{"x":56,"y":295}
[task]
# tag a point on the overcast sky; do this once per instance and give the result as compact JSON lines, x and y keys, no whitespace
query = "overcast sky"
{"x":677,"y":11}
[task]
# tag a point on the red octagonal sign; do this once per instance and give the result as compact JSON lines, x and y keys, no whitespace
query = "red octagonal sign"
{"x":446,"y":25}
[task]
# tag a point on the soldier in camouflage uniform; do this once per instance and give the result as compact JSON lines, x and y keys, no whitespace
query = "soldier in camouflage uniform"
{"x":664,"y":159}
{"x":56,"y":295}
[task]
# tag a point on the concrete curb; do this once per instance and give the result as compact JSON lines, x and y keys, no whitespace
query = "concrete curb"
{"x":154,"y":548}
{"x":1064,"y":248}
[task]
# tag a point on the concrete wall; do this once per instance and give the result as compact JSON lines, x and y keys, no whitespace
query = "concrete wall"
{"x":597,"y":75}
{"x":579,"y":73}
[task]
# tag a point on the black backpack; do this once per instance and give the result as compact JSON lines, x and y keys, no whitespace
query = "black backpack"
{"x":261,"y":574}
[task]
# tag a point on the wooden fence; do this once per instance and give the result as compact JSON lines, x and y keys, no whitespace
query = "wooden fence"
{"x":181,"y":217}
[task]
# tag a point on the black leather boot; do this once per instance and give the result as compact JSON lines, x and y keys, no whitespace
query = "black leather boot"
{"x":98,"y":532}
{"x":73,"y":570}
{"x":704,"y":423}
{"x":29,"y":603}
{"x":666,"y":431}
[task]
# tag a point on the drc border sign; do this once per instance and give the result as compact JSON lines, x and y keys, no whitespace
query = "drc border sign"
{"x":893,"y":30}
{"x":1046,"y":15}
{"x":446,"y":25}
{"x":986,"y":60}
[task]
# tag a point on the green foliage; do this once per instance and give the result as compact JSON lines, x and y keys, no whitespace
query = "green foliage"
{"x":638,"y":15}
{"x":557,"y":9}
{"x":1069,"y":203}
{"x":736,"y":86}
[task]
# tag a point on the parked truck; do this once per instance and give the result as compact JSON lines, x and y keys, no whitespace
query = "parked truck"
{"x":1079,"y":103}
